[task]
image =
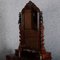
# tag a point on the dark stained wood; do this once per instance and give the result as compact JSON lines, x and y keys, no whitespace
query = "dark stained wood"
{"x":31,"y":45}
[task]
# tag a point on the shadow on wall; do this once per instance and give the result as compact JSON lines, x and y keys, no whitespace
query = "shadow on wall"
{"x":3,"y":53}
{"x":4,"y":49}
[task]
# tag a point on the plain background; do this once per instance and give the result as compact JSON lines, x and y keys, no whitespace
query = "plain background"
{"x":9,"y":31}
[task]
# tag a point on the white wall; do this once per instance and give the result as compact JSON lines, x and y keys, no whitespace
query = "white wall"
{"x":9,"y":32}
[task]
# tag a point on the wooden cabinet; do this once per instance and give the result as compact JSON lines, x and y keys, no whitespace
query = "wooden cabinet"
{"x":31,"y":29}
